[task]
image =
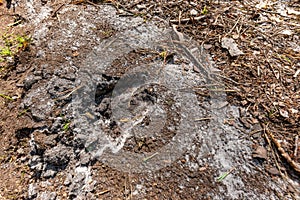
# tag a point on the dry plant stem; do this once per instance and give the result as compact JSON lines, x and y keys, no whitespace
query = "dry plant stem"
{"x":234,"y":25}
{"x":120,"y":7}
{"x":85,"y":1}
{"x":229,"y":79}
{"x":255,"y":131}
{"x":179,"y":20}
{"x":125,"y":187}
{"x":296,"y":146}
{"x":135,"y":3}
{"x":57,"y":9}
{"x":68,"y":94}
{"x":203,"y":119}
{"x":92,"y":3}
{"x":222,"y":90}
{"x":130,"y":181}
{"x":292,"y":163}
{"x":103,"y":192}
{"x":249,"y":24}
{"x":15,"y":23}
{"x":179,"y":17}
{"x":273,"y":153}
{"x":180,"y":41}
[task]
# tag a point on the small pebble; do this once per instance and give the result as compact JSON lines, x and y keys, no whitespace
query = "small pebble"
{"x":194,"y":12}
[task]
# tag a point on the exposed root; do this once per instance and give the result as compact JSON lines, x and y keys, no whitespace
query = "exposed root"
{"x":293,"y":164}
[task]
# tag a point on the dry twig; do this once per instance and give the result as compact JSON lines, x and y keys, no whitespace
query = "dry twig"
{"x":179,"y":20}
{"x":292,"y":163}
{"x":296,"y":146}
{"x":57,"y":9}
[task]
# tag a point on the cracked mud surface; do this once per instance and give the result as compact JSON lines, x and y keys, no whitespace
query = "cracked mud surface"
{"x":111,"y":110}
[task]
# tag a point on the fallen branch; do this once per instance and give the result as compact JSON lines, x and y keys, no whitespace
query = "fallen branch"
{"x":292,"y":163}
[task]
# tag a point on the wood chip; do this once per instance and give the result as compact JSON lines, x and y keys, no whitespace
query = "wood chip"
{"x":273,"y":171}
{"x":260,"y":152}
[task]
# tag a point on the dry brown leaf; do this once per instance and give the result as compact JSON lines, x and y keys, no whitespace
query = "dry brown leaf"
{"x":260,"y":152}
{"x":231,"y":46}
{"x":273,"y":171}
{"x":284,"y":113}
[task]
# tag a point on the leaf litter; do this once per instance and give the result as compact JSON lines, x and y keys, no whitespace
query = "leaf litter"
{"x":265,"y":75}
{"x":267,"y":45}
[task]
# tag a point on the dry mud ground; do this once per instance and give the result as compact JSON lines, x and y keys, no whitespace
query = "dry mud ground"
{"x":109,"y":102}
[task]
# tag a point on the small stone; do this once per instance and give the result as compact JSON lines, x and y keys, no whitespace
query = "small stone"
{"x":294,"y":111}
{"x":235,"y":36}
{"x":58,"y":155}
{"x":244,"y":102}
{"x":194,"y":12}
{"x":68,"y":180}
{"x":38,"y":73}
{"x":79,"y":178}
{"x":47,"y":196}
{"x":36,"y":163}
{"x":50,"y":140}
{"x":85,"y":159}
{"x":207,"y":46}
{"x":49,"y":173}
{"x":32,"y":190}
{"x":283,"y":113}
{"x":103,"y":106}
{"x":231,"y":46}
{"x":140,"y":7}
{"x":20,"y":151}
{"x":23,"y":159}
{"x":30,"y":80}
{"x":14,"y":97}
{"x":20,"y":85}
{"x":57,"y":124}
